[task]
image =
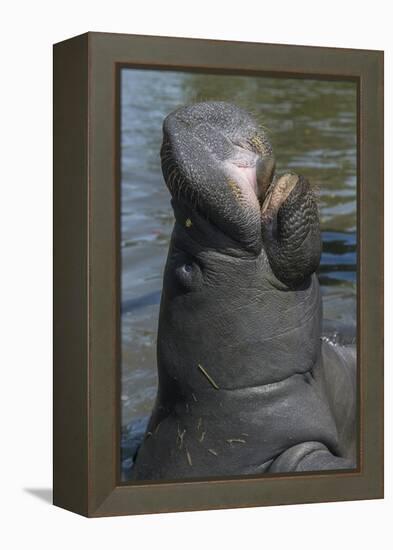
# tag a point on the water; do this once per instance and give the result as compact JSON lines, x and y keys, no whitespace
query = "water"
{"x":312,"y":126}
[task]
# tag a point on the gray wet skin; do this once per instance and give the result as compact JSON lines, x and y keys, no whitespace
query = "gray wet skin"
{"x":246,"y":385}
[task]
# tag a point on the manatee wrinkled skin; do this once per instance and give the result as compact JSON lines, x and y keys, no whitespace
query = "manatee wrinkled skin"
{"x":246,"y":383}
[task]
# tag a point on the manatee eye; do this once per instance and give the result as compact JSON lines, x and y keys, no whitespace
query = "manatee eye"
{"x":185,"y":274}
{"x":189,"y":275}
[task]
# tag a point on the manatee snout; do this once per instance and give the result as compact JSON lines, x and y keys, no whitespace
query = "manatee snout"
{"x":217,"y":159}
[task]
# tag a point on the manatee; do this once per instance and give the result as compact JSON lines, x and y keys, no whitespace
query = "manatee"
{"x":247,"y":385}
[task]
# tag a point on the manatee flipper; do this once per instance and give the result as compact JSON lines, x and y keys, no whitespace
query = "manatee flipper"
{"x":308,"y":457}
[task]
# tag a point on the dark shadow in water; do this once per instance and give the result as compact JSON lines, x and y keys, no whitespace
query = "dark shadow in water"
{"x":44,"y":494}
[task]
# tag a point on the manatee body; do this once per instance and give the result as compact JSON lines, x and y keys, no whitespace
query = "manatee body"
{"x":246,"y":384}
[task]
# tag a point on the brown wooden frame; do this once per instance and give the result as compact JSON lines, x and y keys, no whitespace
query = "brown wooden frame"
{"x":86,"y":272}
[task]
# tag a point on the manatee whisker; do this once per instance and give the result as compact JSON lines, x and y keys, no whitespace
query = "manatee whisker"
{"x":213,"y":452}
{"x":171,"y":175}
{"x":167,"y":158}
{"x":179,"y":182}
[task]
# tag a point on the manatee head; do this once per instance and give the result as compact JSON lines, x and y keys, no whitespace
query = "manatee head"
{"x":240,"y":297}
{"x":217,"y":161}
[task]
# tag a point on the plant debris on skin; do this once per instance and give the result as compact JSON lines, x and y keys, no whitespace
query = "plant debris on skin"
{"x":209,"y":378}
